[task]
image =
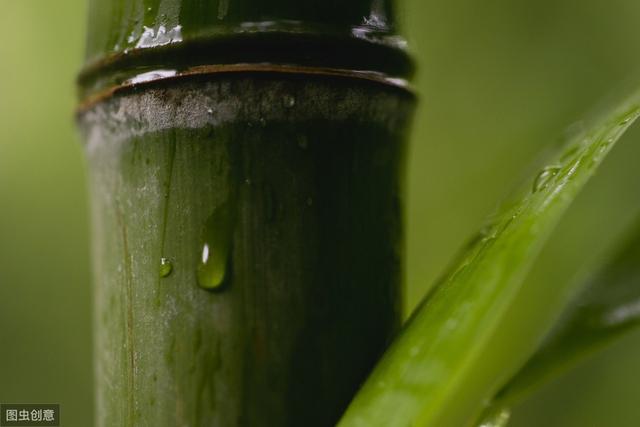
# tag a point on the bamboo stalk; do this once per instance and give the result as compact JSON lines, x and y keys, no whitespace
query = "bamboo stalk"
{"x":247,"y":230}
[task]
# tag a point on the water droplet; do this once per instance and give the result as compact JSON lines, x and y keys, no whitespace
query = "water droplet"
{"x":497,"y":419}
{"x":263,"y":121}
{"x":216,"y":244}
{"x":544,"y":177}
{"x":625,"y":121}
{"x":289,"y":101}
{"x":603,"y":148}
{"x":165,"y":267}
{"x":210,"y":111}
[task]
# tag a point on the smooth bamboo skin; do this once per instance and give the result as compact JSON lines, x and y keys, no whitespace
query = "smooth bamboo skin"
{"x":312,"y":289}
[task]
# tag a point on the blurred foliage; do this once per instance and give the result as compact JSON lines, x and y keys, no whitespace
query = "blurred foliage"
{"x":45,"y":297}
{"x":499,"y":82}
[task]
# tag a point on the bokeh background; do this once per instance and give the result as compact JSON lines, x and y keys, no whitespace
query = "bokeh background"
{"x":500,"y":82}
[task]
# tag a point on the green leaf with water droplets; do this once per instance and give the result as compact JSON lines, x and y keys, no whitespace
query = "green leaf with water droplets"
{"x":464,"y":341}
{"x":607,"y":306}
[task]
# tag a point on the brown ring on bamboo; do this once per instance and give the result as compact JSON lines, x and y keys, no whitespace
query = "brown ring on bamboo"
{"x":202,"y":70}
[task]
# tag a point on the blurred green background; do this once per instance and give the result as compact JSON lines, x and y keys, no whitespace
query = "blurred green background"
{"x":499,"y":81}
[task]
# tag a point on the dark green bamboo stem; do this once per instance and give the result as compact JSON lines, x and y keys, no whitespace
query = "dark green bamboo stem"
{"x":247,"y":242}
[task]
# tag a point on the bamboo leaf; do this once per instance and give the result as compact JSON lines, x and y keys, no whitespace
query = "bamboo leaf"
{"x":608,"y":306}
{"x":466,"y":340}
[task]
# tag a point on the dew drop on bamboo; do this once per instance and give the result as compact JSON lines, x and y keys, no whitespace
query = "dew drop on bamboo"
{"x":215,"y":246}
{"x":166,"y":267}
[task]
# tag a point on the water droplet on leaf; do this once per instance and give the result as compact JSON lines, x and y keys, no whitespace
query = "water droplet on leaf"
{"x":497,"y":419}
{"x":289,"y":101}
{"x":165,"y":267}
{"x":544,"y":177}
